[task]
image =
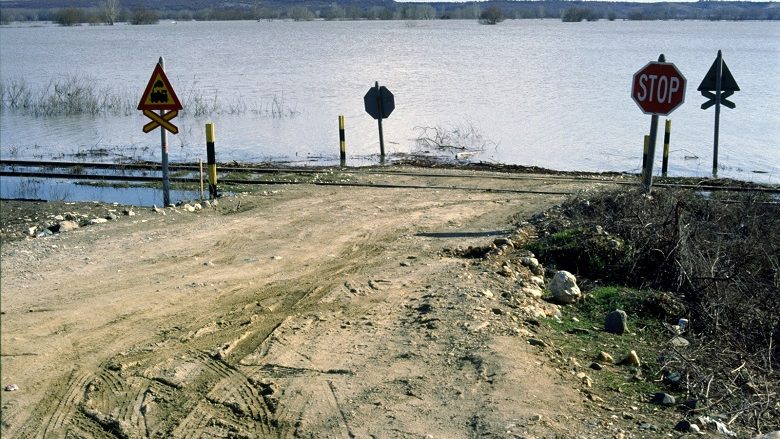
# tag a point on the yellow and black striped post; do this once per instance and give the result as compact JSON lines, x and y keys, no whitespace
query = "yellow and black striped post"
{"x":644,"y":154}
{"x":342,"y":142}
{"x":211,"y":159}
{"x":667,"y":135}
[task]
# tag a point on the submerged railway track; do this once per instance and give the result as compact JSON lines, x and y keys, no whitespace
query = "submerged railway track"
{"x":435,"y":178}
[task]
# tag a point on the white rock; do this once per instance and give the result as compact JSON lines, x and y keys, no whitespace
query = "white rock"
{"x":487,"y":293}
{"x":94,"y":221}
{"x":564,"y":288}
{"x":189,"y":208}
{"x":532,"y":291}
{"x":67,"y":226}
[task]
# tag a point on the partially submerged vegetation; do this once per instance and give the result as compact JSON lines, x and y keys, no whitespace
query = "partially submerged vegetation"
{"x":713,"y":259}
{"x":82,"y":95}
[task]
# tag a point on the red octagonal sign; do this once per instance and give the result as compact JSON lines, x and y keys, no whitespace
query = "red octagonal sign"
{"x":658,"y":88}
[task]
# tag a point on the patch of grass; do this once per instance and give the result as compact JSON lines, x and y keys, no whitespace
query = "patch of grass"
{"x":580,"y":334}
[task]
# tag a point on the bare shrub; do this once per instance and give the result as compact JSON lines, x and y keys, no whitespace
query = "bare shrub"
{"x":464,"y":136}
{"x":719,"y":253}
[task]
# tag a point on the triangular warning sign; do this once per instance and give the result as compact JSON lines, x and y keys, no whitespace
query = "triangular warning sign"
{"x":727,"y":81}
{"x":159,"y":94}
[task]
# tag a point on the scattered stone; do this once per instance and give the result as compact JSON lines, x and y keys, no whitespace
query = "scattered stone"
{"x":719,"y":426}
{"x":533,"y":265}
{"x":683,"y":426}
{"x":604,"y":357}
{"x":692,"y":404}
{"x":648,"y":426}
{"x":128,"y":212}
{"x":67,"y":226}
{"x":536,"y":342}
{"x":405,"y":264}
{"x":771,"y":435}
{"x":616,"y":322}
{"x":276,"y":258}
{"x":188,"y":207}
{"x":632,"y":359}
{"x":680,"y":342}
{"x":596,"y":366}
{"x":95,"y":221}
{"x":532,"y":292}
{"x":664,"y":399}
{"x":111,"y":217}
{"x":197,"y":206}
{"x":586,"y":381}
{"x":487,"y":293}
{"x":535,"y":418}
{"x":31,"y":231}
{"x":564,"y":288}
{"x":500,"y":242}
{"x":538,"y":281}
{"x":672,"y":378}
{"x":11,"y":388}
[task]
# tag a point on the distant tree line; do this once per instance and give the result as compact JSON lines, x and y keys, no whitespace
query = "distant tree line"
{"x":489,"y":12}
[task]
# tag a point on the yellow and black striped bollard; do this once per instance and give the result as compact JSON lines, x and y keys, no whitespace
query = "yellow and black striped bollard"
{"x":342,"y":142}
{"x":211,"y":159}
{"x":667,"y":135}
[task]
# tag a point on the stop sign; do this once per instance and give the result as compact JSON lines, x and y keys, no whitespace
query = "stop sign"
{"x":379,"y":102}
{"x":658,"y":88}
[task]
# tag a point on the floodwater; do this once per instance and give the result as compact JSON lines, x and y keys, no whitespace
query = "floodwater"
{"x":528,"y":92}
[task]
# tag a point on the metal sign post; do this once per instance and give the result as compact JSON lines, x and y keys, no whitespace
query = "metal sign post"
{"x":379,"y":103}
{"x":166,"y":183}
{"x":719,"y":80}
{"x":379,"y":121}
{"x":159,"y":95}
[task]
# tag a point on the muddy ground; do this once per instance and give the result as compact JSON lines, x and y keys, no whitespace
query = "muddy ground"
{"x":296,"y":311}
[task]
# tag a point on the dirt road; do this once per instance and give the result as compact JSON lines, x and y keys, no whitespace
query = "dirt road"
{"x":306,"y":311}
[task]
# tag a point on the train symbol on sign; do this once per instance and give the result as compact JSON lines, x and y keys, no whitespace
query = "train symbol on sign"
{"x":159,"y":93}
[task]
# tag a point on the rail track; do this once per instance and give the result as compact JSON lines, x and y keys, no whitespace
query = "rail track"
{"x":253,"y":175}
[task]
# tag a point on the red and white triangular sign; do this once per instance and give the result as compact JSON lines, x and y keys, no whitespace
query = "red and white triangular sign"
{"x":159,"y":94}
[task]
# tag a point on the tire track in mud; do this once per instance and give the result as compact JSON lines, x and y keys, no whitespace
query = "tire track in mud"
{"x":220,"y":399}
{"x":53,"y":416}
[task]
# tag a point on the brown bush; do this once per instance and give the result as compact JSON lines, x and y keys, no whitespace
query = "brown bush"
{"x":719,"y":253}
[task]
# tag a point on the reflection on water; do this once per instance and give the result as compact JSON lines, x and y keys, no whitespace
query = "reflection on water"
{"x":545,"y":93}
{"x":63,"y":190}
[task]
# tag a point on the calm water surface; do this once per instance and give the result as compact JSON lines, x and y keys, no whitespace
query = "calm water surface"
{"x":540,"y":92}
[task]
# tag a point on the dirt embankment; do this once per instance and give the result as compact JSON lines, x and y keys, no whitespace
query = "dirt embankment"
{"x":304,"y":312}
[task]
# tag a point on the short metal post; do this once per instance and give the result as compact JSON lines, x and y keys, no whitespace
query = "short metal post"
{"x":200,"y":166}
{"x":667,"y":136}
{"x":342,"y":142}
{"x":211,"y":158}
{"x":647,"y":182}
{"x":644,"y":155}
{"x":164,"y":146}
